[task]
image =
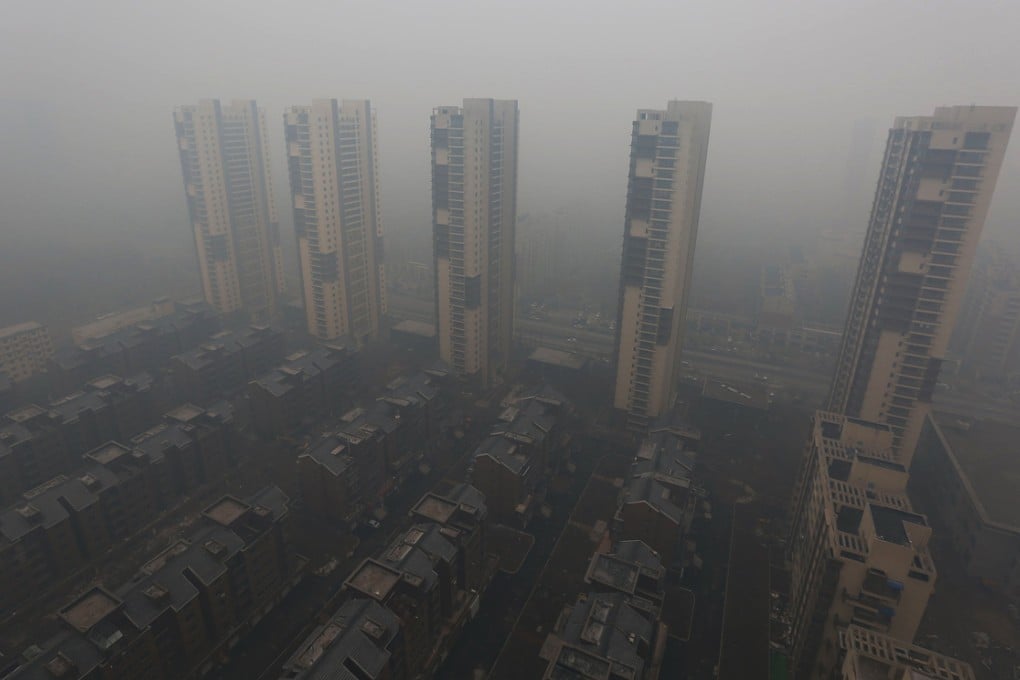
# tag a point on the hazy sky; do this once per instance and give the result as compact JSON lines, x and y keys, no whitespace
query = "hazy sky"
{"x":88,"y":89}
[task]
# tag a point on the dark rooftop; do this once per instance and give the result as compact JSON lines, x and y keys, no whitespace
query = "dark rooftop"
{"x":986,"y":456}
{"x":89,"y":609}
{"x":357,"y":637}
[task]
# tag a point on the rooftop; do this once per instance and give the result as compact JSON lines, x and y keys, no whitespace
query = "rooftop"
{"x":986,"y":456}
{"x":604,"y":629}
{"x":18,"y":328}
{"x":226,"y":511}
{"x":357,"y":636}
{"x":890,"y":523}
{"x":108,"y":453}
{"x":373,"y":579}
{"x":504,"y":452}
{"x":331,"y":453}
{"x":411,"y":327}
{"x":89,"y":609}
{"x":751,"y":396}
{"x":435,"y":508}
{"x":558,"y":358}
{"x":185,"y":413}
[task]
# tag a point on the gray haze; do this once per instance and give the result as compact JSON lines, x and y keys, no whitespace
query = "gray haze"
{"x":88,"y":88}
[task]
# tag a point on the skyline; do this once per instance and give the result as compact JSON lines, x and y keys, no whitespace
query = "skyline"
{"x":793,"y":107}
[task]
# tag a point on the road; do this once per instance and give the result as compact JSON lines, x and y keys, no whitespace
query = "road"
{"x":811,"y":385}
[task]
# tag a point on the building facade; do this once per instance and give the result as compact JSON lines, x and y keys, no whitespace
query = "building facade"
{"x":936,"y":183}
{"x":474,"y":213}
{"x":25,"y":349}
{"x":858,"y":553}
{"x":225,"y":163}
{"x":966,"y":475}
{"x":868,"y":654}
{"x":668,"y":152}
{"x":334,"y":181}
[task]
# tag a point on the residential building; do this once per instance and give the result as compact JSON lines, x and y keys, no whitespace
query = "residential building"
{"x":192,"y":446}
{"x":362,"y":640}
{"x":225,"y":363}
{"x":422,"y":578}
{"x":991,"y":336}
{"x":25,"y":349}
{"x":225,"y":163}
{"x":71,"y":520}
{"x":107,"y":408}
{"x":463,"y":515}
{"x":668,"y":152}
{"x":660,"y":497}
{"x":144,"y":346}
{"x":334,"y":179}
{"x":934,"y":190}
{"x":966,"y":475}
{"x":185,"y":606}
{"x":105,"y":324}
{"x":32,"y":450}
{"x":631,"y":568}
{"x":350,"y":470}
{"x":510,"y":465}
{"x":606,"y":635}
{"x":308,"y":385}
{"x":414,"y":582}
{"x":870,"y":654}
{"x":858,"y":552}
{"x":474,"y":215}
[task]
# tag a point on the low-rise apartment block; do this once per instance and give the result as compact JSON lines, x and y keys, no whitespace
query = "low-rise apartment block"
{"x":185,"y":605}
{"x":362,"y":640}
{"x":308,"y":385}
{"x":858,"y":552}
{"x":38,"y":443}
{"x":463,"y":515}
{"x":659,"y":500}
{"x":143,"y":346}
{"x":510,"y":465}
{"x":606,"y":635}
{"x":371,"y":449}
{"x":226,"y":362}
{"x":25,"y":349}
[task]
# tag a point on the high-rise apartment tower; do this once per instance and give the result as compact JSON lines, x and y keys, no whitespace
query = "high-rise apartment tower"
{"x":334,"y":179}
{"x":225,"y":163}
{"x":667,"y":171}
{"x":934,"y":189}
{"x":474,"y":210}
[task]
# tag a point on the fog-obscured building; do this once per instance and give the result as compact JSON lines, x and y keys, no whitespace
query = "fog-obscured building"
{"x":224,"y":152}
{"x":334,"y":181}
{"x":669,"y":149}
{"x":474,"y":214}
{"x":938,"y":176}
{"x":25,"y":349}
